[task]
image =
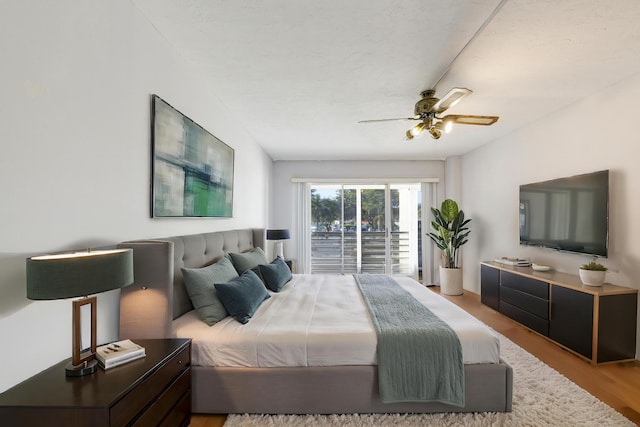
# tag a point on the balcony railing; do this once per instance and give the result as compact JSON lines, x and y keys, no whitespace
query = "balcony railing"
{"x":334,"y":252}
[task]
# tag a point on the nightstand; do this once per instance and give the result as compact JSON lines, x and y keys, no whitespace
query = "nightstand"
{"x":153,"y":390}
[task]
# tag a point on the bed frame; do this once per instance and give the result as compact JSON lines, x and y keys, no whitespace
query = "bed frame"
{"x":149,"y":313}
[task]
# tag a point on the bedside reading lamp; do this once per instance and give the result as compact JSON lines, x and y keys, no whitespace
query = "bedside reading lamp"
{"x":78,"y":274}
{"x":278,"y":235}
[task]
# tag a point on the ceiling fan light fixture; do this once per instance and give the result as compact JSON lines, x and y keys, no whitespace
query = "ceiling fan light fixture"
{"x":444,"y":126}
{"x":416,"y":130}
{"x":435,"y":132}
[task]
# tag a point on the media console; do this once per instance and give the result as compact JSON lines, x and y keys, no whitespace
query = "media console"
{"x":597,"y":323}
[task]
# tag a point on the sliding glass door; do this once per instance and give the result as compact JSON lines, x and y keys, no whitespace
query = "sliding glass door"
{"x":365,"y":228}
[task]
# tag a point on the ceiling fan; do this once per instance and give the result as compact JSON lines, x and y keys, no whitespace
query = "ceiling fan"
{"x":428,"y":111}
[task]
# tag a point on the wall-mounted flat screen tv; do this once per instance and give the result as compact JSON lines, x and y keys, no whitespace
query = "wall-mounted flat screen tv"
{"x":567,"y":214}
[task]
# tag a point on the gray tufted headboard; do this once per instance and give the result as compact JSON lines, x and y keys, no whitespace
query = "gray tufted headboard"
{"x":158,"y":296}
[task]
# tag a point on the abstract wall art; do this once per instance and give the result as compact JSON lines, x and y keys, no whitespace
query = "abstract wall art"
{"x":192,"y":170}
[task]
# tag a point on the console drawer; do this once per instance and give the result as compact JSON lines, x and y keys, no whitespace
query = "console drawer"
{"x":527,"y":302}
{"x":531,"y":321}
{"x":525,"y":284}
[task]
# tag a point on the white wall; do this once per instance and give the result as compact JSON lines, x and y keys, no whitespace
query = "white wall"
{"x":76,"y":81}
{"x":453,"y":178}
{"x":600,"y":132}
{"x":283,"y":208}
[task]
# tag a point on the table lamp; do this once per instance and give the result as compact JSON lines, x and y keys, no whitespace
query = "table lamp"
{"x":279,"y":236}
{"x":79,"y":274}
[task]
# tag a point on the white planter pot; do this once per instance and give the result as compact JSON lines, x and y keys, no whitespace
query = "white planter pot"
{"x":451,"y":281}
{"x":592,"y":277}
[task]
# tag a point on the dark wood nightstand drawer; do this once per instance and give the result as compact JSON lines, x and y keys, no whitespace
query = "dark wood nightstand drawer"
{"x":167,"y":402}
{"x":181,"y":414}
{"x":129,"y":407}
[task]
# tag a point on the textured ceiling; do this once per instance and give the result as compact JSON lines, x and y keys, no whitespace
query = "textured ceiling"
{"x":300,"y":74}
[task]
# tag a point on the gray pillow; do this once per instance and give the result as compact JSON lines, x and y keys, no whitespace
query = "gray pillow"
{"x":204,"y":297}
{"x":247,"y":260}
{"x":242,"y":296}
{"x":275,"y":275}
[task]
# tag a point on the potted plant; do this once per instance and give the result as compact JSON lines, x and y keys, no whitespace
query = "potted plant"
{"x":593,"y":273}
{"x":449,"y":233}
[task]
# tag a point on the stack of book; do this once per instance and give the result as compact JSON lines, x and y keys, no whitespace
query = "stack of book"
{"x":118,"y":353}
{"x":516,"y":262}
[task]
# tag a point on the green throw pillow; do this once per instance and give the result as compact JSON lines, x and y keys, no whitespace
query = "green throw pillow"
{"x":199,"y":283}
{"x":242,"y":296}
{"x":275,"y":275}
{"x":247,"y":260}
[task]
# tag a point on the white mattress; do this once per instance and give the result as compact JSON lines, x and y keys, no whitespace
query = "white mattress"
{"x":320,"y":320}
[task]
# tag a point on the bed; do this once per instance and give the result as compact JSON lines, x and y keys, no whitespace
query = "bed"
{"x":322,"y":372}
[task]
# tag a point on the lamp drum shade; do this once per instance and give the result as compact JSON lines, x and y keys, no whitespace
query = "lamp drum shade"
{"x":78,"y":274}
{"x":278,"y":234}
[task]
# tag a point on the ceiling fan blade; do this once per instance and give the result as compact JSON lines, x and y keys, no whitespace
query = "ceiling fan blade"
{"x":388,"y":120}
{"x":470,"y":120}
{"x":451,"y":98}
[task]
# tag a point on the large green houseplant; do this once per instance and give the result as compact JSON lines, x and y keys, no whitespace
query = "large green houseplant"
{"x":449,"y":233}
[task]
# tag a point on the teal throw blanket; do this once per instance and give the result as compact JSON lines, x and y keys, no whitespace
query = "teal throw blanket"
{"x":419,"y":355}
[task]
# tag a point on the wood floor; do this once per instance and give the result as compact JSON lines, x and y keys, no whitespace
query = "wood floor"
{"x":617,"y":384}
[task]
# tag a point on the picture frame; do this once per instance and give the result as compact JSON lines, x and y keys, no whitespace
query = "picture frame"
{"x":192,"y":170}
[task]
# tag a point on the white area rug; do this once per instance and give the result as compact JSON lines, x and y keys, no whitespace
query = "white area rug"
{"x":541,"y":397}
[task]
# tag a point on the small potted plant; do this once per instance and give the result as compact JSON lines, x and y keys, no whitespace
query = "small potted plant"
{"x":593,"y":273}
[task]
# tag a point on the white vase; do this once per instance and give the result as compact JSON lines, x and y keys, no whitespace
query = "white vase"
{"x":451,"y":281}
{"x":592,"y":277}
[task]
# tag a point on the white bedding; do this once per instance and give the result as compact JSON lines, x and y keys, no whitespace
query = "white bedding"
{"x":320,"y":320}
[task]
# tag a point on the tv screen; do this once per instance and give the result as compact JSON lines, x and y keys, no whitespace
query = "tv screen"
{"x":568,"y":214}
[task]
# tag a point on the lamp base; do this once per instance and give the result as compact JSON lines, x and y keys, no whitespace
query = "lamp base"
{"x":280,"y":249}
{"x":85,"y":368}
